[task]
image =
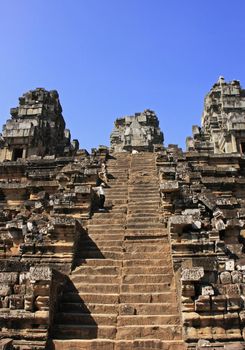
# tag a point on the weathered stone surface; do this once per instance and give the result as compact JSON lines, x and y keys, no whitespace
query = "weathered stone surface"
{"x":225,"y":277}
{"x":138,"y":132}
{"x":40,"y":273}
{"x":194,"y":274}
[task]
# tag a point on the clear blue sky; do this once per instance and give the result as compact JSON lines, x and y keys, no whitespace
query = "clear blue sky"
{"x":109,"y":58}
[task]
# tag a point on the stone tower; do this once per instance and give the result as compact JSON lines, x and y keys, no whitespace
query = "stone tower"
{"x":139,"y":132}
{"x":223,"y":120}
{"x":37,"y":128}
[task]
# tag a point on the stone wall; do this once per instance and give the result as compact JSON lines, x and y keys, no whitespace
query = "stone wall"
{"x":27,"y":298}
{"x":45,"y":197}
{"x":204,"y":194}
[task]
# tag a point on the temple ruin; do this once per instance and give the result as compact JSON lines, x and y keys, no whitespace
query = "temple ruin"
{"x":162,"y":267}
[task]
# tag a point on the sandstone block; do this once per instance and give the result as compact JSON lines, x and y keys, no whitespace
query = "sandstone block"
{"x":234,"y":303}
{"x":29,"y":302}
{"x":40,"y":273}
{"x":42,"y":303}
{"x":225,"y":277}
{"x":127,"y":310}
{"x":16,"y":302}
{"x":19,"y":289}
{"x":191,"y":319}
{"x":9,"y":277}
{"x":207,"y":290}
{"x":192,"y":274}
{"x":236,"y":276}
{"x":203,"y":303}
{"x":5,"y":290}
{"x":230,"y":265}
{"x":188,"y":290}
{"x":218,"y":303}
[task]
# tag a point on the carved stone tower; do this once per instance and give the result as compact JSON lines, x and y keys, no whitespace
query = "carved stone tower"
{"x":37,"y":128}
{"x":223,"y":120}
{"x":139,"y":132}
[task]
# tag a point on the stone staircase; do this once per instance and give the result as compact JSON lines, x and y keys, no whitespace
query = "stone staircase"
{"x":122,"y":294}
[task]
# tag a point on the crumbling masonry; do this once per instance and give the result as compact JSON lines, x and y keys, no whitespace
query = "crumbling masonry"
{"x":162,"y":268}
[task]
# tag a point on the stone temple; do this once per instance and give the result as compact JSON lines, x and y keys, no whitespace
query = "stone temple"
{"x":161,"y":268}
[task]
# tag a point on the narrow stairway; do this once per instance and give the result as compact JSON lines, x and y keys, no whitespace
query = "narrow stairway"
{"x":122,"y":294}
{"x":148,"y":305}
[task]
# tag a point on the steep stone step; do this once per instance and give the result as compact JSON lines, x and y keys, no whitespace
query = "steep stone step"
{"x":149,"y":189}
{"x":142,"y":220}
{"x":107,"y":236}
{"x":139,"y":185}
{"x":143,"y":195}
{"x":145,"y":263}
{"x":112,"y":227}
{"x":148,"y":309}
{"x":99,"y":288}
{"x":91,"y":298}
{"x":71,"y":331}
{"x":140,"y":255}
{"x":86,"y":319}
{"x":90,"y":307}
{"x":110,"y":215}
{"x":145,"y":226}
{"x":99,"y":249}
{"x":144,"y":247}
{"x":117,"y":210}
{"x":96,"y":263}
{"x":147,"y":279}
{"x":96,"y":254}
{"x":116,"y":186}
{"x":137,"y":209}
{"x":166,"y":332}
{"x":144,"y":169}
{"x":142,"y":214}
{"x":147,"y":269}
{"x":148,"y":320}
{"x":160,"y":297}
{"x":102,"y":243}
{"x":122,"y":190}
{"x":115,"y":201}
{"x":141,"y":288}
{"x":126,"y":269}
{"x":78,"y":301}
{"x":98,"y":268}
{"x":98,"y":229}
{"x":150,"y":233}
{"x":108,"y":279}
{"x":133,"y":206}
{"x":107,"y":344}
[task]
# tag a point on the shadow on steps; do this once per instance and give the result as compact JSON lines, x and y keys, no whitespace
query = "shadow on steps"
{"x":73,"y":319}
{"x":86,"y":249}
